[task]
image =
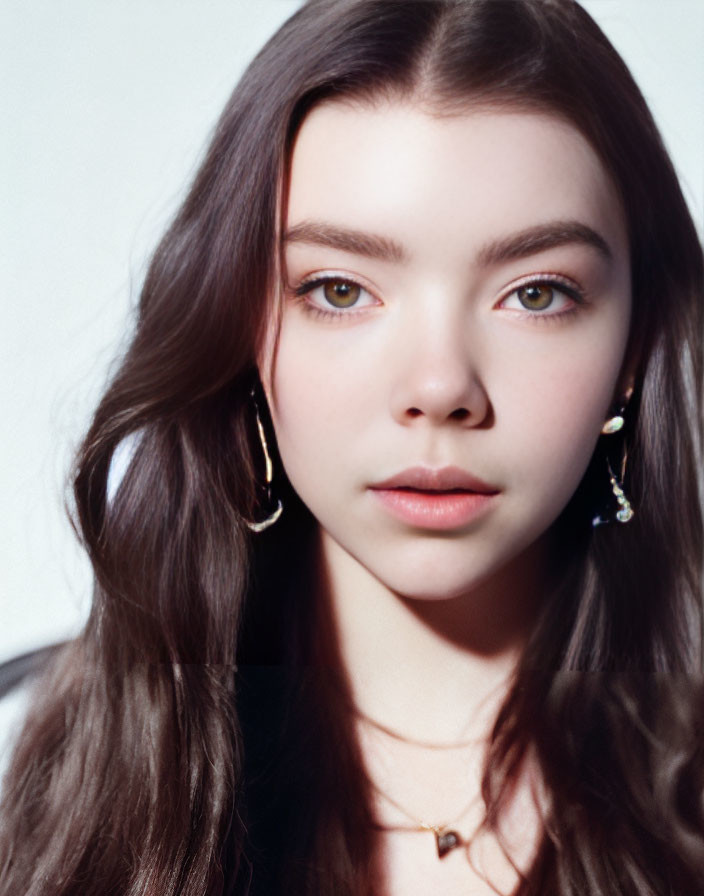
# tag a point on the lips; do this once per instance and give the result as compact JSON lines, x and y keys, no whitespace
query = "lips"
{"x":445,"y":479}
{"x":443,"y":499}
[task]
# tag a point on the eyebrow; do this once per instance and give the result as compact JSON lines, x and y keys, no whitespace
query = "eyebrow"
{"x":318,"y":233}
{"x":530,"y":241}
{"x":541,"y":237}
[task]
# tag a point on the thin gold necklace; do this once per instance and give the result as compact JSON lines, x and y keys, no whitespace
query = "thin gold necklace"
{"x":428,"y":745}
{"x":446,"y":838}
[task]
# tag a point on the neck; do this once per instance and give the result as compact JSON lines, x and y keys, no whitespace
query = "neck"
{"x":435,"y":671}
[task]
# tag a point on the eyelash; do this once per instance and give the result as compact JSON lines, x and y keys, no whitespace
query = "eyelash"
{"x":553,"y":281}
{"x":304,"y":289}
{"x":557,"y":282}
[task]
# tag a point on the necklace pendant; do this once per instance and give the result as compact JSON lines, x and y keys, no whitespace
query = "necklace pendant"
{"x":446,"y":841}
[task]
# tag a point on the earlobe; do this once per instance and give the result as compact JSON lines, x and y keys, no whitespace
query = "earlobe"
{"x":266,"y":358}
{"x":626,"y":385}
{"x":266,"y":385}
{"x":263,"y":375}
{"x":627,"y":393}
{"x":629,"y":372}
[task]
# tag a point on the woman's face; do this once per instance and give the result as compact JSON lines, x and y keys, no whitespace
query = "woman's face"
{"x":456,"y":310}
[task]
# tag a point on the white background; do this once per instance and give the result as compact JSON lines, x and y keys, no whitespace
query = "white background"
{"x":106,"y":108}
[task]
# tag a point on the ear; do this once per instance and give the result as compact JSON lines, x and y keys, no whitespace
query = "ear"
{"x":268,"y":351}
{"x":626,"y":390}
{"x":265,"y":374}
{"x":627,"y":378}
{"x":630,"y":369}
{"x":621,"y":397}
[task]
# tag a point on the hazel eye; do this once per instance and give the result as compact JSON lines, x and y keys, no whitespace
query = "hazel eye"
{"x":542,"y":296}
{"x":334,"y":295}
{"x":341,"y":293}
{"x":536,"y":296}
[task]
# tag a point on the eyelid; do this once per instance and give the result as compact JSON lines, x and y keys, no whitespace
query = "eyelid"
{"x":560,"y":282}
{"x":311,"y":282}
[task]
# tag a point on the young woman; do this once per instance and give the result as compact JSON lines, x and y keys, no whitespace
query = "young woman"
{"x":400,"y":590}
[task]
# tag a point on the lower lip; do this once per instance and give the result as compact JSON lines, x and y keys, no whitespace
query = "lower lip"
{"x":434,"y":510}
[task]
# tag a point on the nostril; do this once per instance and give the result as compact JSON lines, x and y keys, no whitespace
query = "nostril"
{"x":459,"y":414}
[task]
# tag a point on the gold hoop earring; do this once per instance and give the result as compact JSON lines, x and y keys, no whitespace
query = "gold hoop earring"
{"x":268,"y":474}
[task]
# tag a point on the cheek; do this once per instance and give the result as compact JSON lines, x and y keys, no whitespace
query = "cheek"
{"x":550,"y":391}
{"x":552,"y":418}
{"x":318,"y":399}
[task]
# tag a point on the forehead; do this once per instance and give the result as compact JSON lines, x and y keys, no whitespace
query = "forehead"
{"x":447,"y":182}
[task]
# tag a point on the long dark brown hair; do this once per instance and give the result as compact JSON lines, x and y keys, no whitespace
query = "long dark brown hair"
{"x":189,"y":741}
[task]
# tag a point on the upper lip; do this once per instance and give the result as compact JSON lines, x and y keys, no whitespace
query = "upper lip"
{"x":437,"y":480}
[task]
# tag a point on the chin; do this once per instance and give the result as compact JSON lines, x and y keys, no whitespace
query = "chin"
{"x":436,"y":585}
{"x":447,"y":572}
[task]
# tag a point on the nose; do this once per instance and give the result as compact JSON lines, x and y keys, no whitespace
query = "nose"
{"x":438,"y":381}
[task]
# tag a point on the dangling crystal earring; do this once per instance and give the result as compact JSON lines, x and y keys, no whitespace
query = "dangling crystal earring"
{"x":616,"y":423}
{"x":269,"y":475}
{"x":625,"y":512}
{"x":613,"y":424}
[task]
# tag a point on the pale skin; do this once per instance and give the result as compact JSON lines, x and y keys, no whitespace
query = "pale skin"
{"x":405,"y":341}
